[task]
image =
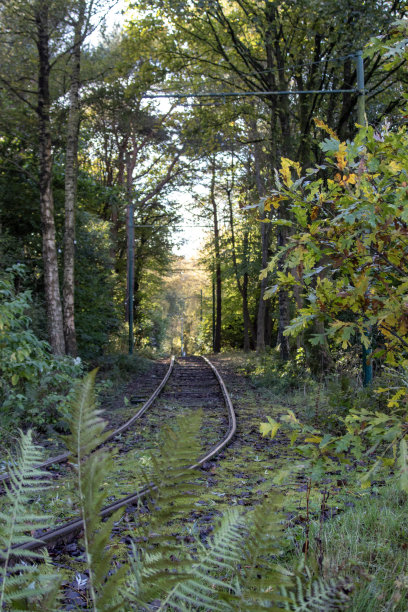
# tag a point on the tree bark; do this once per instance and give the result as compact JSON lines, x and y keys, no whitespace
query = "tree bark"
{"x":242,"y":286}
{"x":51,"y":279}
{"x":260,"y":325}
{"x":218,"y":282}
{"x":283,"y":307}
{"x":249,"y":331}
{"x":71,"y":181}
{"x":130,"y":166}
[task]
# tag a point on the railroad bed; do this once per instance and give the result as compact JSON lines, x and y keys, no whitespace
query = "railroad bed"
{"x":190,"y":383}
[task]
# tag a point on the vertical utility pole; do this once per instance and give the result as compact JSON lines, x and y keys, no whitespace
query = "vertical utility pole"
{"x":367,"y":363}
{"x":131,"y":256}
{"x":213,"y":307}
{"x":182,"y":336}
{"x":361,"y":120}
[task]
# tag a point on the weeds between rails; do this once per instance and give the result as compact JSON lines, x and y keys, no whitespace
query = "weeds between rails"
{"x":63,"y":457}
{"x":73,"y":528}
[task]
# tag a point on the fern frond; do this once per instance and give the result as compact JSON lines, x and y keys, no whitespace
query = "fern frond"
{"x":317,"y":595}
{"x":174,"y":495}
{"x":260,"y":580}
{"x":175,"y":487}
{"x":210,"y":585}
{"x":24,"y":581}
{"x":85,"y":423}
{"x":87,"y":433}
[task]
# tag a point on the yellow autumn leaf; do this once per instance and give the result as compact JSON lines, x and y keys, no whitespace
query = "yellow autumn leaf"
{"x":285,"y":171}
{"x":321,"y":124}
{"x":273,"y":201}
{"x":395,"y":166}
{"x":341,"y":156}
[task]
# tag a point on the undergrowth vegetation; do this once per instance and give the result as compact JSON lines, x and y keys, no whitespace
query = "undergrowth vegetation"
{"x":34,"y":385}
{"x":237,"y":569}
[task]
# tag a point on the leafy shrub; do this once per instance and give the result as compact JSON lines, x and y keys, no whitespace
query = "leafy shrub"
{"x":271,"y":371}
{"x":97,"y":314}
{"x":34,"y":384}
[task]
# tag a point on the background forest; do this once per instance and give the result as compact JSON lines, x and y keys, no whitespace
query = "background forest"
{"x":182,"y":123}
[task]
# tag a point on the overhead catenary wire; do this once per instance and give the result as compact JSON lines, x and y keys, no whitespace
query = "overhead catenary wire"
{"x":242,"y":94}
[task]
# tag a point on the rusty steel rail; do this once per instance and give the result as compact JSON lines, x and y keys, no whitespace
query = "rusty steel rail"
{"x":75,"y":526}
{"x":63,"y":457}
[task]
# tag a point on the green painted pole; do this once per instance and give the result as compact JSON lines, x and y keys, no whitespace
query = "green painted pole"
{"x":361,"y":120}
{"x":361,"y":114}
{"x":131,"y":256}
{"x":367,"y":366}
{"x":213,"y":307}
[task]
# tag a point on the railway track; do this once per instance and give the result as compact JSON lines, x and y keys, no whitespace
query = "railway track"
{"x":194,"y":382}
{"x":63,"y":457}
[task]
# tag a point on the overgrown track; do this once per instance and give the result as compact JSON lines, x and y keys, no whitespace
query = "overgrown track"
{"x":63,"y":457}
{"x":184,"y":392}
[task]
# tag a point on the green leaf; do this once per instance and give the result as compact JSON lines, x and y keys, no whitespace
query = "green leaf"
{"x":271,"y":428}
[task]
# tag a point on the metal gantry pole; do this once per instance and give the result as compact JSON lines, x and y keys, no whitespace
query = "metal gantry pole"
{"x":361,"y":120}
{"x":361,"y":115}
{"x":131,"y":255}
{"x":213,"y":305}
{"x":182,"y":336}
{"x":367,"y":362}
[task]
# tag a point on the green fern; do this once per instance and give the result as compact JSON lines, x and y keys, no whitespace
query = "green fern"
{"x":222,"y":576}
{"x":211,"y":585}
{"x":261,"y":579}
{"x":23,"y":584}
{"x":174,"y":493}
{"x":315,"y":594}
{"x":88,"y":431}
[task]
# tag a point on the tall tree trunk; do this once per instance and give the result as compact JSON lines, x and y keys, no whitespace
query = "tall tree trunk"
{"x":248,"y":325}
{"x":242,"y":286}
{"x":260,"y":324}
{"x":218,"y":287}
{"x":283,"y":307}
{"x":51,"y":279}
{"x":129,"y":211}
{"x":71,"y":181}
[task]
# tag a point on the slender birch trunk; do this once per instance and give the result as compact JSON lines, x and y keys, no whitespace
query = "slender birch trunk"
{"x":51,"y":279}
{"x":242,"y":285}
{"x":218,"y":285}
{"x":71,"y":181}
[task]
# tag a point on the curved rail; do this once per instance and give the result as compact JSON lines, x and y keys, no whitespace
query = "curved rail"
{"x":52,"y":536}
{"x":65,"y":456}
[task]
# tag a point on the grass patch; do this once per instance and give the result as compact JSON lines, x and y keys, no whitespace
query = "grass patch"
{"x":369,"y":543}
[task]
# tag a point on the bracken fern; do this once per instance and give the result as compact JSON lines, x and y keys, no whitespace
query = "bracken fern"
{"x":313,"y":594}
{"x":88,"y":431}
{"x":23,"y":585}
